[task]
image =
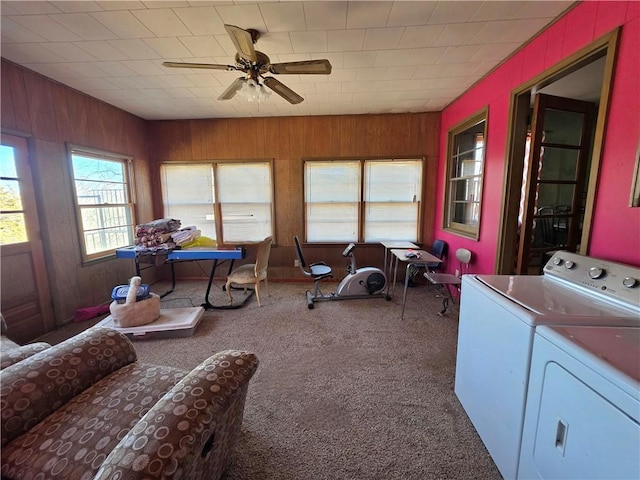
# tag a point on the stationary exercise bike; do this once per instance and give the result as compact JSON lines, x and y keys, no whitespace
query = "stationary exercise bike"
{"x":359,"y":283}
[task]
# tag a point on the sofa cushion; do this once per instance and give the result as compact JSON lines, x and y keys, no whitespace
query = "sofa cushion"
{"x":11,"y":353}
{"x":74,"y":441}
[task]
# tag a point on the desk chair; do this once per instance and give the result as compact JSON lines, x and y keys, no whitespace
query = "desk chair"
{"x":252,"y":273}
{"x":318,"y":271}
{"x":446,"y":279}
{"x":438,"y":249}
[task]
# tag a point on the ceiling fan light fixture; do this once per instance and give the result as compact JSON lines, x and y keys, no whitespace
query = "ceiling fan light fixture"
{"x":254,"y":91}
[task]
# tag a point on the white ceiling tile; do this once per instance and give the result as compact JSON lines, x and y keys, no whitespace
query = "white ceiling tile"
{"x":344,"y":75}
{"x":69,"y":52}
{"x":368,"y":14}
{"x":101,"y":50}
{"x":429,"y":71}
{"x":51,"y":70}
{"x":201,"y":20}
{"x":453,"y":12}
{"x":336,"y":59}
{"x":168,"y":47}
{"x":29,"y":53}
{"x":204,"y":80}
{"x":202,"y":46}
{"x":421,"y":56}
{"x":163,"y":22}
{"x":460,"y":69}
{"x":121,"y":5}
{"x":360,"y":59}
{"x":495,"y":52}
{"x":332,"y":87}
{"x":32,"y":8}
{"x":341,"y":40}
{"x":543,"y":9}
{"x":69,"y":6}
{"x":325,"y":15}
{"x":47,"y":28}
{"x":135,"y":49}
{"x":242,"y":15}
{"x":392,"y":58}
{"x":84,"y":26}
{"x":126,"y":83}
{"x":83,"y":84}
{"x":227,"y":45}
{"x":145,"y":67}
{"x":123,"y":24}
{"x":382,"y":38}
{"x":404,"y":73}
{"x":458,"y":33}
{"x":178,"y":81}
{"x":507,"y":31}
{"x":13,"y":32}
{"x":422,"y":36}
{"x":367,"y":74}
{"x":502,"y":10}
{"x":459,"y":54}
{"x":88,"y":70}
{"x":410,"y":13}
{"x":274,"y":43}
{"x":163,"y":4}
{"x":115,"y":69}
{"x":309,"y":41}
{"x":153,"y":81}
{"x":283,"y":17}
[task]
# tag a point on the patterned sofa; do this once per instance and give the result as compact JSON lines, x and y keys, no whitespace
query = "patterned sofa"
{"x":87,"y":409}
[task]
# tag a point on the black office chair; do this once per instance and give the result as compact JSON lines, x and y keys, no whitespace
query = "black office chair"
{"x":438,"y":249}
{"x":318,"y":271}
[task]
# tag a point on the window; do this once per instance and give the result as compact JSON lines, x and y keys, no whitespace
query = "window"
{"x":103,"y":201}
{"x":362,"y":200}
{"x":231,"y":202}
{"x":12,"y":215}
{"x":465,"y":166}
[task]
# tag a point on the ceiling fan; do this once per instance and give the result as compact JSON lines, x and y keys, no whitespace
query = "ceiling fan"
{"x":255,"y":65}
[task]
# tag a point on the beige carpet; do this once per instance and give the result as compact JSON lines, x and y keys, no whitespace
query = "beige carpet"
{"x":347,"y":390}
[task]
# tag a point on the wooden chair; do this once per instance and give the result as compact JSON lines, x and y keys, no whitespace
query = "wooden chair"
{"x":446,"y":280}
{"x":252,"y":273}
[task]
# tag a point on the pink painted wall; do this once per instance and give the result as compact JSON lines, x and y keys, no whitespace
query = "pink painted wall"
{"x":616,"y":231}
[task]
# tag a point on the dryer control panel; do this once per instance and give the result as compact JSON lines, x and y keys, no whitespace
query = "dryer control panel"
{"x":612,"y":281}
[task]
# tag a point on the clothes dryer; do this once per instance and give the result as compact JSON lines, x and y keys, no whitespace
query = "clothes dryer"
{"x":498,"y":318}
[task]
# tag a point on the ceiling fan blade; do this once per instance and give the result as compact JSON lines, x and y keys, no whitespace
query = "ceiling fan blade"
{"x":212,"y":66}
{"x":282,"y":90}
{"x":319,"y":67}
{"x":232,"y":89}
{"x":243,"y":41}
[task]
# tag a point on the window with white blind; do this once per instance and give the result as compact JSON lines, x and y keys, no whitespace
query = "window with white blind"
{"x":231,"y":202}
{"x":363,"y":200}
{"x":465,"y":167}
{"x":102,"y":189}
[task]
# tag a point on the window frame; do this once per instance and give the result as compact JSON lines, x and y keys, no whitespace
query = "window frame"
{"x":216,"y":207}
{"x":467,"y":230}
{"x":362,"y":203}
{"x":127,"y":168}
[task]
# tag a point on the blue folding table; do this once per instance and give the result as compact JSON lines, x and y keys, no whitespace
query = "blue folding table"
{"x":187,"y":255}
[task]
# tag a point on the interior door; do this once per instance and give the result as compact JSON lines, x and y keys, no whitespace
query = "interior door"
{"x":25,"y":296}
{"x":555,"y":187}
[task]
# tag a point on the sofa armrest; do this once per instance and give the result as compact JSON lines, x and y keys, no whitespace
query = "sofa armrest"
{"x":13,"y":355}
{"x":37,"y":386}
{"x":191,"y":432}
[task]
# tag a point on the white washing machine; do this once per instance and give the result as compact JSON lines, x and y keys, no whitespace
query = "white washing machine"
{"x":582,"y":417}
{"x":498,"y":318}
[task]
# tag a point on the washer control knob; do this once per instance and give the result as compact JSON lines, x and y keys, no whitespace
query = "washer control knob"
{"x":557,"y":261}
{"x":630,"y":282}
{"x":596,"y":272}
{"x":569,"y":264}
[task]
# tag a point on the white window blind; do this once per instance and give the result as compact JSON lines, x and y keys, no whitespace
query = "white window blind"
{"x":392,"y":199}
{"x":362,"y":200}
{"x":188,"y":195}
{"x":240,"y":192}
{"x":332,"y":195}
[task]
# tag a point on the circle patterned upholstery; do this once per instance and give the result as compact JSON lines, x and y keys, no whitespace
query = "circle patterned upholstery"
{"x":131,"y":421}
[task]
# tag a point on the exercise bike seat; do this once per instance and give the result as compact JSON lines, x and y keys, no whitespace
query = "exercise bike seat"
{"x":320,"y":270}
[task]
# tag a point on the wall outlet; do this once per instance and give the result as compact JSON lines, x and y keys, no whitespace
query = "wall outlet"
{"x":296,"y":263}
{"x":457,"y":272}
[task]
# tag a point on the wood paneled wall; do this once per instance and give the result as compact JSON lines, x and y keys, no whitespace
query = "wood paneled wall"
{"x":289,"y":140}
{"x":51,"y":115}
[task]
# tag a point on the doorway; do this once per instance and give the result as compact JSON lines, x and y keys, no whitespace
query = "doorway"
{"x":556,"y":136}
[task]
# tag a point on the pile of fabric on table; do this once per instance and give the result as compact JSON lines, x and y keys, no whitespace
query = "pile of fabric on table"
{"x":185,"y":235}
{"x":157,"y":234}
